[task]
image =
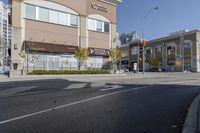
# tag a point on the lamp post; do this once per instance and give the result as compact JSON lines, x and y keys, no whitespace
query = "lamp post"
{"x":182,"y":51}
{"x":143,"y":41}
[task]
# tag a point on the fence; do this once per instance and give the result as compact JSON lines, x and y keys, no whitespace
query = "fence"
{"x":57,"y":65}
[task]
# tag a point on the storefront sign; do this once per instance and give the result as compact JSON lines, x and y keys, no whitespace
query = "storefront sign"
{"x":99,"y":52}
{"x":99,"y":7}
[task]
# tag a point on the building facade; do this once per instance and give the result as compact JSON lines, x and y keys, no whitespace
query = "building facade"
{"x":177,"y":52}
{"x":5,"y":34}
{"x":53,"y":29}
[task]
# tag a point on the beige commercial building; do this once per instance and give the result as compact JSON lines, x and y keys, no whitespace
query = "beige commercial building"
{"x":180,"y":51}
{"x":53,"y":29}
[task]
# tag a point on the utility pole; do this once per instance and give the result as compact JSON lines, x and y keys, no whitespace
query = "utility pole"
{"x":143,"y":40}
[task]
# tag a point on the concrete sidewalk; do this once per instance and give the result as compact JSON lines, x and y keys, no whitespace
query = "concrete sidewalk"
{"x":68,"y":77}
{"x":192,"y":122}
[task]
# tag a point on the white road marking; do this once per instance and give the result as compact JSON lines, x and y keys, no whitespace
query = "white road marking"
{"x":96,"y":84}
{"x":111,"y":87}
{"x":15,"y":90}
{"x":75,"y":86}
{"x":67,"y":105}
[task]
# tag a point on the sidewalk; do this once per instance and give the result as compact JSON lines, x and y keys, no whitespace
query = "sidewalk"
{"x":68,"y":77}
{"x":192,"y":122}
{"x":91,"y":76}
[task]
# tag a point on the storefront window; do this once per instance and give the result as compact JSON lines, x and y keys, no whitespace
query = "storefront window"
{"x":41,"y":62}
{"x":134,"y":51}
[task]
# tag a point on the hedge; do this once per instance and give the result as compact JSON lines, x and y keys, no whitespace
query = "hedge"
{"x":62,"y":72}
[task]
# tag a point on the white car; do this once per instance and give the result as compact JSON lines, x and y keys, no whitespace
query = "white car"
{"x":4,"y":69}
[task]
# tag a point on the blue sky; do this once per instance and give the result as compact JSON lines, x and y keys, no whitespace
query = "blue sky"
{"x":173,"y":15}
{"x":6,"y":1}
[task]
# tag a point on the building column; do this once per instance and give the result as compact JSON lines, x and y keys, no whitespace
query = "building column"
{"x":17,"y":38}
{"x":83,"y":38}
{"x":113,"y":35}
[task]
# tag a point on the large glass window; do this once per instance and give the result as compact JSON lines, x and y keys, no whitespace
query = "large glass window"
{"x":134,"y":50}
{"x":63,"y":18}
{"x":106,"y":27}
{"x":53,"y":16}
{"x":30,"y":11}
{"x":41,"y":62}
{"x":73,"y":20}
{"x":43,"y":14}
{"x":91,"y":24}
{"x":99,"y":26}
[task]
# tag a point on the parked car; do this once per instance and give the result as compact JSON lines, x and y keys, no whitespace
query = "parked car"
{"x":4,"y":69}
{"x":155,"y":70}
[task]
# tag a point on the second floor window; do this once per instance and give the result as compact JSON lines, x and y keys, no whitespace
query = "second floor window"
{"x":43,"y":14}
{"x":31,"y":11}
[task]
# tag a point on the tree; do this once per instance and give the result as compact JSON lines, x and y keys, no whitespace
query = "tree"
{"x":81,"y":54}
{"x":28,"y":59}
{"x":115,"y":55}
{"x":155,"y":62}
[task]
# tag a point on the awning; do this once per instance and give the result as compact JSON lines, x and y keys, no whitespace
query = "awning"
{"x":48,"y":47}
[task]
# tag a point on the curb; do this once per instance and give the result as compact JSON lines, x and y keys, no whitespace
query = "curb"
{"x":192,"y":123}
{"x":69,"y":77}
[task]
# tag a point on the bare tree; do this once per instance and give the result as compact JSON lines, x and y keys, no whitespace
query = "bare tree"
{"x":115,"y":55}
{"x":28,"y":59}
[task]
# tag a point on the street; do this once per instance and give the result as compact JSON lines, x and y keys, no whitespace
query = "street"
{"x":156,"y":104}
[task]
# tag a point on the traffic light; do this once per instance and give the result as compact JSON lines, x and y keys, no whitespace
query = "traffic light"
{"x":144,"y":43}
{"x":169,"y":51}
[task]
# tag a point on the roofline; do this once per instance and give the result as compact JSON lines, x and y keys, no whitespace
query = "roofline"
{"x":173,"y":36}
{"x":115,"y":4}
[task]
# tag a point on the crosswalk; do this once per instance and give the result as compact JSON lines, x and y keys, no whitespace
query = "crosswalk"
{"x":9,"y":91}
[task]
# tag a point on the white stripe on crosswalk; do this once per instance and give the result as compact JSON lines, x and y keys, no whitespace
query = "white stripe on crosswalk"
{"x":75,"y":86}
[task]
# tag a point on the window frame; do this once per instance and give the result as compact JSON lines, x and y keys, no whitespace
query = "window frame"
{"x":35,"y":13}
{"x":39,"y":13}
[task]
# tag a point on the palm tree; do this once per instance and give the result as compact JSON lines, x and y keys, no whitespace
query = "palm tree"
{"x":81,"y":54}
{"x":115,"y":55}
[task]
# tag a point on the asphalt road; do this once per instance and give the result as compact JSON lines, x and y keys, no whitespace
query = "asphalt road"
{"x":61,"y":106}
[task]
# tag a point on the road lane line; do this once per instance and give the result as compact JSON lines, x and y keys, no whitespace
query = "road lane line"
{"x":70,"y":104}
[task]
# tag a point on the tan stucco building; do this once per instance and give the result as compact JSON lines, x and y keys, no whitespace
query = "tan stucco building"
{"x":176,"y":52}
{"x":53,"y":29}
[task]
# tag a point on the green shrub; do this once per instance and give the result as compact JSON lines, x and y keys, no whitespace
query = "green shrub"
{"x":70,"y":72}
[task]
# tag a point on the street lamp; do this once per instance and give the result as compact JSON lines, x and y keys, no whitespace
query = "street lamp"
{"x":182,"y":51}
{"x":143,"y":41}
